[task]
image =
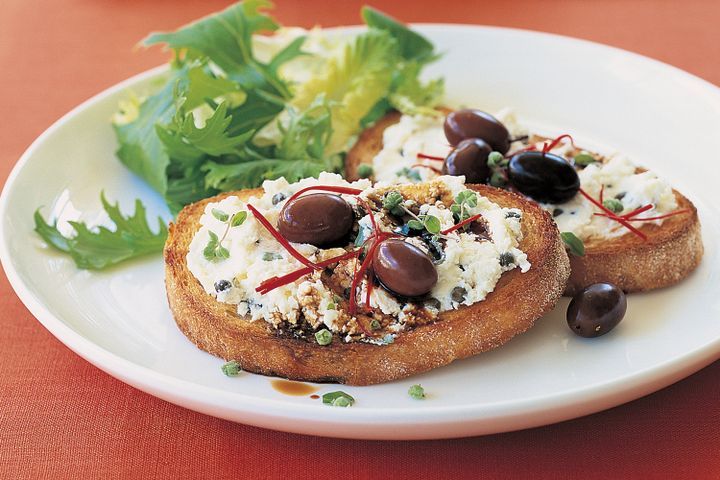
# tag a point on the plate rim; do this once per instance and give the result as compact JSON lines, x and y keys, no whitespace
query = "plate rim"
{"x":603,"y":395}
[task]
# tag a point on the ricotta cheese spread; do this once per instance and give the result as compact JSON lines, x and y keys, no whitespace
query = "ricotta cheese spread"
{"x":616,"y":175}
{"x":617,"y":178}
{"x":468,"y":268}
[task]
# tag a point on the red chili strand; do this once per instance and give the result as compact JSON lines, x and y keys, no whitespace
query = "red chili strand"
{"x":547,"y":147}
{"x":637,"y":211}
{"x":436,"y":170}
{"x":529,"y":148}
{"x":376,"y":239}
{"x":648,"y":219}
{"x":461,"y":224}
{"x":612,"y":215}
{"x":291,"y":250}
{"x":659,"y":217}
{"x":275,"y":282}
{"x":367,"y":208}
{"x":602,"y":192}
{"x":327,"y":188}
{"x":425,"y":156}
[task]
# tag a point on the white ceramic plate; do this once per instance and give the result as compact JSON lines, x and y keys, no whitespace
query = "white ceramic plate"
{"x":662,"y":117}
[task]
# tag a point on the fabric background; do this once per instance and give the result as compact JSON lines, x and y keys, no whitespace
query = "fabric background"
{"x":60,"y":417}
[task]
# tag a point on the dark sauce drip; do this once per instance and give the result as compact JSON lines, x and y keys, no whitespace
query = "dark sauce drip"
{"x":294,"y":389}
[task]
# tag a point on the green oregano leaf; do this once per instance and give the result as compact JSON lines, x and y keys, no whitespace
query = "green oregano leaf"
{"x":573,"y":243}
{"x":467,"y":197}
{"x":238,"y":219}
{"x":392,"y":201}
{"x":209,"y":251}
{"x":432,"y":224}
{"x":220,"y":215}
{"x":415,"y":225}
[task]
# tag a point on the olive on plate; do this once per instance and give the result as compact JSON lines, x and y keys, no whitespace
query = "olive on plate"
{"x":544,"y":177}
{"x":473,"y":123}
{"x":469,"y":158}
{"x":319,"y":219}
{"x":596,"y":310}
{"x":403,"y":268}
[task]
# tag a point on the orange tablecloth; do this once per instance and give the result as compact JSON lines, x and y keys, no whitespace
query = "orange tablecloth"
{"x":61,"y":417}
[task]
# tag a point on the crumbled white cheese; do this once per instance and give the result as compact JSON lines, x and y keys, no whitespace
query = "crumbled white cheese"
{"x":248,"y":243}
{"x":473,"y":266}
{"x":412,"y":134}
{"x":440,"y":212}
{"x":403,"y":141}
{"x":424,"y":134}
{"x":470,"y":267}
{"x":620,"y":182}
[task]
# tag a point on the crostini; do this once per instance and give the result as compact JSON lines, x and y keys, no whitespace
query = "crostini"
{"x":330,"y":281}
{"x":632,"y":228}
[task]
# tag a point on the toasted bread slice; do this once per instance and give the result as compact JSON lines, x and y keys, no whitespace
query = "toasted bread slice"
{"x":516,"y":302}
{"x":673,"y":250}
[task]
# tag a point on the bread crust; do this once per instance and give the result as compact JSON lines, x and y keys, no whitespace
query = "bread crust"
{"x":673,"y":250}
{"x":512,"y":308}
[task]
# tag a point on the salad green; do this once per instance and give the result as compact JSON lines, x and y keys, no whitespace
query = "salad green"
{"x":230,"y":113}
{"x":100,"y":248}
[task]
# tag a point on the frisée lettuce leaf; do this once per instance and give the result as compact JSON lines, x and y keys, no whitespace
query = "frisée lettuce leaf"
{"x":225,"y":116}
{"x":413,"y":46}
{"x":353,"y":81}
{"x":407,"y":93}
{"x":225,"y":38}
{"x":301,"y":153}
{"x":100,"y":247}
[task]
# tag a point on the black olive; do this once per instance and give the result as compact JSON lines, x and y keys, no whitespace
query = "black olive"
{"x":222,"y":285}
{"x":545,"y":177}
{"x":319,"y":219}
{"x":596,"y":310}
{"x":557,"y":212}
{"x":472,"y":123}
{"x":403,"y":268}
{"x":469,"y":158}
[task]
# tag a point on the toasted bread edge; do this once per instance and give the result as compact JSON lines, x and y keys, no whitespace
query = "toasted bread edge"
{"x":512,"y":308}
